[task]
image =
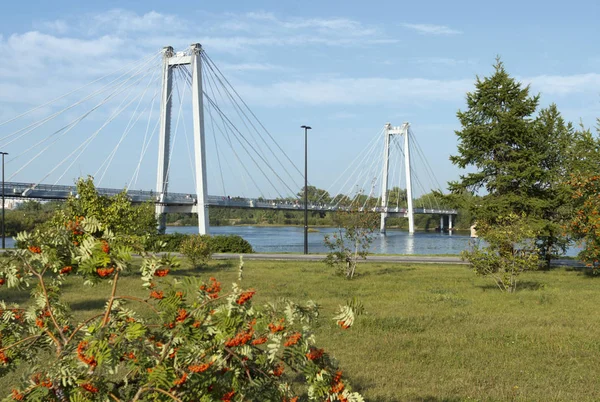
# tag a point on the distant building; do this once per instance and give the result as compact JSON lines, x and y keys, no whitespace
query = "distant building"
{"x":12,"y":204}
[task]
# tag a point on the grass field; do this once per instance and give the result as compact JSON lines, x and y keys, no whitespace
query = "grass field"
{"x":430,"y":332}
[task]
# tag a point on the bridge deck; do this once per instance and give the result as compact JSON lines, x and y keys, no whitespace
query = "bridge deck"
{"x":182,"y":202}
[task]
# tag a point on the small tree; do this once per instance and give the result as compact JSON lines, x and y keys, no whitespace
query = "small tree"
{"x":510,"y":250}
{"x":116,"y":213}
{"x":351,"y":242}
{"x":585,"y":224}
{"x":197,"y":248}
{"x":185,"y":341}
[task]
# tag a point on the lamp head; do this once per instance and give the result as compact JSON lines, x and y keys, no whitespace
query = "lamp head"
{"x":306,"y":127}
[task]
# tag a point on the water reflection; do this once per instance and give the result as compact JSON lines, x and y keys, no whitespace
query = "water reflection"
{"x":410,"y":244}
{"x":290,"y":239}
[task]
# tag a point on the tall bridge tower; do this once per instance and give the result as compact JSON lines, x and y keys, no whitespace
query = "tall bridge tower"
{"x":389,"y":132}
{"x":171,"y":61}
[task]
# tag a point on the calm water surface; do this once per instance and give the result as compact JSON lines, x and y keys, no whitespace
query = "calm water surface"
{"x":275,"y":239}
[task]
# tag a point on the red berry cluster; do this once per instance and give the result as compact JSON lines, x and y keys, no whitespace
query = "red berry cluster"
{"x":274,"y":328}
{"x":157,"y":294}
{"x":200,"y":368}
{"x":314,"y":353}
{"x":243,"y":337}
{"x":105,"y":271}
{"x":90,"y":361}
{"x":245,"y":296}
{"x":293,"y":339}
{"x":161,"y":272}
{"x":212,"y":290}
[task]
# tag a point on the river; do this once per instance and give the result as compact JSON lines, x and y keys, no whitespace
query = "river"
{"x":277,"y":239}
{"x":290,"y":239}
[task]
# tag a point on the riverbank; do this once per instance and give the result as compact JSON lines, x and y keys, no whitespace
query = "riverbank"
{"x":277,"y":225}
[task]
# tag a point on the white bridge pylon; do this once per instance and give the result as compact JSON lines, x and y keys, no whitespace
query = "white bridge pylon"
{"x":388,"y":132}
{"x":170,"y":61}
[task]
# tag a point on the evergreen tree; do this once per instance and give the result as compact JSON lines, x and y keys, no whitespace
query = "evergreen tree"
{"x":519,"y":158}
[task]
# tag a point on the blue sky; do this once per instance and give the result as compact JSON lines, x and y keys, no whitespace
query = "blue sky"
{"x":345,"y":68}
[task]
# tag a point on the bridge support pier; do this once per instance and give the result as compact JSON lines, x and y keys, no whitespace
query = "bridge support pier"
{"x":388,"y":132}
{"x":171,"y":60}
{"x":199,"y":146}
{"x":164,"y":139}
{"x":450,"y":223}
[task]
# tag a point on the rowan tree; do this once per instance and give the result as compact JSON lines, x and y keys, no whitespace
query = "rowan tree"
{"x":186,"y":340}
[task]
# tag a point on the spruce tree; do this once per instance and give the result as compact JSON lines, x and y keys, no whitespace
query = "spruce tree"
{"x":517,"y":158}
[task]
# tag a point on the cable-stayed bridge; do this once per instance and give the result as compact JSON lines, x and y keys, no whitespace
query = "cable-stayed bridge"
{"x":149,"y":100}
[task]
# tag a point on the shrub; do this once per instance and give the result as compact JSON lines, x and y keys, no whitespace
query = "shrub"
{"x":351,"y":243}
{"x":230,"y":244}
{"x":196,"y":248}
{"x":165,"y":242}
{"x":510,"y":251}
{"x":193,"y":341}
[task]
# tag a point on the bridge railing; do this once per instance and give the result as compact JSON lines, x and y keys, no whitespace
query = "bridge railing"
{"x":54,"y":192}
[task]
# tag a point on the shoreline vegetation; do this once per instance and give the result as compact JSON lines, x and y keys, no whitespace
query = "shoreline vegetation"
{"x":314,"y":227}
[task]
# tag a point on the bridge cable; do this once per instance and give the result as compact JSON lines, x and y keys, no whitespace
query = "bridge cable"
{"x":144,"y":146}
{"x":65,"y":129}
{"x":117,"y":91}
{"x":239,"y":109}
{"x":218,"y":151}
{"x":88,"y":141}
{"x":420,"y":187}
{"x":172,"y":147}
{"x":224,"y":117}
{"x":128,"y":128}
{"x":252,"y":113}
{"x":135,"y":62}
{"x":186,"y":136}
{"x":31,"y":127}
{"x":370,"y":146}
{"x":230,"y":123}
{"x":368,"y":156}
{"x":227,"y":138}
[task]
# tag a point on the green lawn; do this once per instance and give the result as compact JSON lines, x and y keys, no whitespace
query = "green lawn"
{"x":431,"y":332}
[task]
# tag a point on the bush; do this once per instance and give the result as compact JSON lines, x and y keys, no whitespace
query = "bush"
{"x":230,"y":244}
{"x":196,"y":248}
{"x":165,"y":242}
{"x":186,"y":341}
{"x":351,"y":242}
{"x":510,"y":250}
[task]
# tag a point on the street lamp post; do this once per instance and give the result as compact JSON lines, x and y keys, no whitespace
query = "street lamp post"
{"x":306,"y":128}
{"x":3,"y":236}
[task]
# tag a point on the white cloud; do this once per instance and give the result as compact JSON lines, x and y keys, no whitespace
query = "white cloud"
{"x":57,"y":26}
{"x":431,"y":29}
{"x":332,"y":25}
{"x":251,"y":67}
{"x":357,"y":91}
{"x":120,"y":20}
{"x":258,"y":29}
{"x":565,"y":84}
{"x":444,"y":61}
{"x":37,"y":45}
